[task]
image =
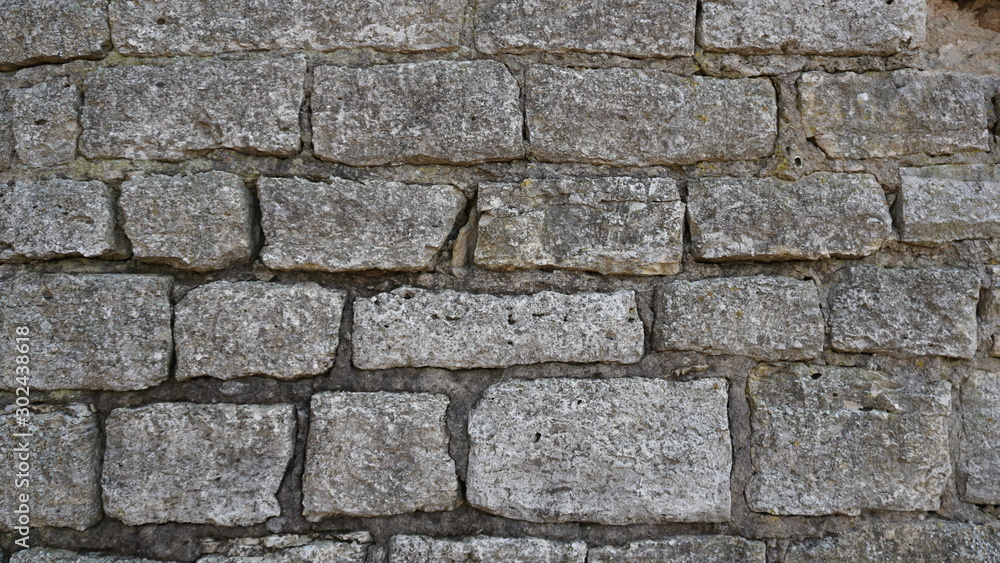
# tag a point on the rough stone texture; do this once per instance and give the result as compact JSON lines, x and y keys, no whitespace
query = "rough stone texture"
{"x":889,"y":114}
{"x":905,"y":312}
{"x":314,"y":552}
{"x":614,"y":451}
{"x":764,"y":317}
{"x":942,"y":542}
{"x":204,"y":27}
{"x":36,"y":31}
{"x":342,"y":225}
{"x":608,"y":225}
{"x":819,"y":216}
{"x":45,"y":121}
{"x":200,"y":222}
{"x":51,"y":219}
{"x":683,"y":549}
{"x":48,"y":555}
{"x":6,"y":134}
{"x":823,"y":27}
{"x":946,"y":203}
{"x":646,"y":28}
{"x":90,"y":331}
{"x":450,"y":329}
{"x":439,"y":111}
{"x":833,"y":440}
{"x":188,"y":108}
{"x":228,"y":330}
{"x":64,"y":453}
{"x":980,"y":446}
{"x":641,"y":117}
{"x":203,"y":464}
{"x":420,"y":549}
{"x":377,"y":454}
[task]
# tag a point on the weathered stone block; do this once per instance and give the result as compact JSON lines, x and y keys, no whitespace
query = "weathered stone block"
{"x":418,"y":328}
{"x":39,"y":31}
{"x":52,"y":219}
{"x":90,"y":331}
{"x":946,"y":542}
{"x":980,"y":446}
{"x":440,"y":111}
{"x":188,"y":108}
{"x":64,"y":457}
{"x":228,"y":330}
{"x":45,"y":123}
{"x":951,"y":202}
{"x":377,"y":454}
{"x":905,"y":312}
{"x":889,"y":114}
{"x":701,"y":549}
{"x":608,"y":225}
{"x":420,"y":549}
{"x":199,"y":222}
{"x":311,"y":552}
{"x":647,"y":28}
{"x":49,"y":555}
{"x":204,"y":464}
{"x":6,"y":134}
{"x":342,"y":225}
{"x":614,"y":451}
{"x":819,"y":216}
{"x":828,"y":27}
{"x":204,"y":27}
{"x":833,"y":440}
{"x":764,"y":317}
{"x":640,"y":117}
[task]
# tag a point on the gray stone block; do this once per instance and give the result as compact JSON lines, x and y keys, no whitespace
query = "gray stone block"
{"x":312,"y":552}
{"x":683,"y":549}
{"x":49,"y":555}
{"x":420,"y":549}
{"x":51,"y":31}
{"x":951,"y":202}
{"x":980,"y":445}
{"x":45,"y":123}
{"x":935,"y":541}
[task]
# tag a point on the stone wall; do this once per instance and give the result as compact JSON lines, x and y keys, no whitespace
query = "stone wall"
{"x":499,"y":280}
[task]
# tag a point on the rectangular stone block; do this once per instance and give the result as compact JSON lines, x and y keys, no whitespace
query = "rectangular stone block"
{"x":189,"y":108}
{"x":45,"y":123}
{"x":824,"y":27}
{"x":890,"y":114}
{"x":951,"y":542}
{"x":822,"y":215}
{"x":228,"y":330}
{"x":296,"y":549}
{"x":763,"y":317}
{"x":614,"y":451}
{"x":608,"y":225}
{"x":833,"y":440}
{"x":460,"y":112}
{"x":50,"y":555}
{"x":90,"y":331}
{"x":217,"y":464}
{"x":951,"y":202}
{"x":700,"y":549}
{"x":377,"y":454}
{"x":420,"y":549}
{"x":980,"y":445}
{"x":905,"y":311}
{"x":342,"y":226}
{"x":205,"y":27}
{"x":646,"y":117}
{"x":412,"y":327}
{"x":51,"y":31}
{"x":646,"y":28}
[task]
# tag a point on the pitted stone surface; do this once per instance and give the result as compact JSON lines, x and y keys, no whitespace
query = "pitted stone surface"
{"x":833,"y":440}
{"x":940,"y":542}
{"x":615,"y":451}
{"x":6,"y":134}
{"x":642,"y":117}
{"x":905,"y":311}
{"x":49,"y":555}
{"x":440,"y":111}
{"x":46,"y":125}
{"x":64,"y":454}
{"x":90,"y":331}
{"x":36,"y":31}
{"x":764,"y":317}
{"x":188,"y":108}
{"x":607,"y":225}
{"x":683,"y":549}
{"x":199,"y":222}
{"x":342,"y":225}
{"x":765,"y":219}
{"x":52,"y":219}
{"x":450,"y":329}
{"x":823,"y":27}
{"x":377,"y":454}
{"x":313,"y":552}
{"x":889,"y":114}
{"x":420,"y":549}
{"x":980,"y":446}
{"x":950,"y":202}
{"x":215,"y":464}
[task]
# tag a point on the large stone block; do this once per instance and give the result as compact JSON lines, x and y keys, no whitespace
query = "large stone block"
{"x":980,"y":446}
{"x":763,"y":317}
{"x":50,"y":31}
{"x":45,"y":123}
{"x":950,"y":202}
{"x":377,"y":454}
{"x":833,"y":440}
{"x":642,"y":117}
{"x":420,"y":549}
{"x":822,"y":215}
{"x":342,"y":225}
{"x":905,"y":312}
{"x":418,"y":328}
{"x":937,"y":541}
{"x":889,"y":114}
{"x":300,"y":550}
{"x":683,"y":549}
{"x":50,"y":555}
{"x":215,"y":464}
{"x":614,"y":451}
{"x":185,"y":109}
{"x":90,"y":331}
{"x":440,"y":111}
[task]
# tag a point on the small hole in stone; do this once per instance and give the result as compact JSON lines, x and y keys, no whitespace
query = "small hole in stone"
{"x":538,"y":436}
{"x":160,"y":84}
{"x":798,"y":162}
{"x":40,"y":122}
{"x":889,"y":2}
{"x":816,"y":375}
{"x":161,"y":21}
